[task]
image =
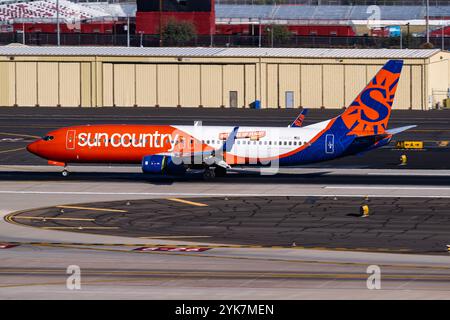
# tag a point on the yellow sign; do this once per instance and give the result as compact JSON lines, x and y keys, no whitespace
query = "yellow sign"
{"x":409,"y":145}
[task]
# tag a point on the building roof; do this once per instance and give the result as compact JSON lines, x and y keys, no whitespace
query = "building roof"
{"x":217,"y":52}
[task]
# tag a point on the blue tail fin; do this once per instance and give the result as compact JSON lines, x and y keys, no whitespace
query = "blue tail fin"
{"x":369,"y":113}
{"x":298,"y":122}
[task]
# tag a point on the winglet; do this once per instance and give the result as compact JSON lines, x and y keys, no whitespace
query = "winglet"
{"x":298,"y":122}
{"x":228,"y":144}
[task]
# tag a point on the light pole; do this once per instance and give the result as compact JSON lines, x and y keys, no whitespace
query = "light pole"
{"x":128,"y":30}
{"x":260,"y":34}
{"x":428,"y":21}
{"x":58,"y":29}
{"x":160,"y":23}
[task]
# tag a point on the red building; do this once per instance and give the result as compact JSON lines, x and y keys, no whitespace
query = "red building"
{"x":298,"y":30}
{"x":150,"y":17}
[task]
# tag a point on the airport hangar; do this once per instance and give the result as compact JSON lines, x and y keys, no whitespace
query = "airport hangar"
{"x":212,"y":77}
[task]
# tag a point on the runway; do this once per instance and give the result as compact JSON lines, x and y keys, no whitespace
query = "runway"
{"x":116,"y":270}
{"x":306,"y":239}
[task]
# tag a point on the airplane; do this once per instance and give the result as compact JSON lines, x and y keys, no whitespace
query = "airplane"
{"x":175,"y":149}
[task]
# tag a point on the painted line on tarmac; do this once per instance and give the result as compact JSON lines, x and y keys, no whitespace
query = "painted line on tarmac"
{"x":19,"y":135}
{"x":386,"y":187}
{"x":197,"y":204}
{"x":91,"y":209}
{"x":52,"y":218}
{"x":228,"y":194}
{"x":79,"y":228}
{"x":12,"y":150}
{"x":174,"y":237}
{"x":209,"y":246}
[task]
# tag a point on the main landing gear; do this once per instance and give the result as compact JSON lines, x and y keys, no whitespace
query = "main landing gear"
{"x":65,"y":173}
{"x":211,"y":173}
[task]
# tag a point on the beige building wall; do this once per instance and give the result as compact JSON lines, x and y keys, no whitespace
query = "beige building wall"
{"x":190,"y":82}
{"x":233,"y":80}
{"x":124,"y":85}
{"x":7,"y":84}
{"x":417,"y":87}
{"x":355,"y":81}
{"x":108,"y":85}
{"x":82,"y":82}
{"x":438,"y":75}
{"x":311,"y":86}
{"x":170,"y":81}
{"x":272,"y":86}
{"x":333,"y":83}
{"x":48,"y":82}
{"x":211,"y":85}
{"x":146,"y":85}
{"x":26,"y":84}
{"x":69,"y":84}
{"x":250,"y":84}
{"x":289,"y":81}
{"x":167,"y":84}
{"x":403,"y":96}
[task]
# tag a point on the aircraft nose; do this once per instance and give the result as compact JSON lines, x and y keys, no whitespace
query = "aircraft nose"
{"x":33,"y":147}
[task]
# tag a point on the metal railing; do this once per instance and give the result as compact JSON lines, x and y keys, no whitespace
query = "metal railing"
{"x":339,"y":2}
{"x":137,"y":40}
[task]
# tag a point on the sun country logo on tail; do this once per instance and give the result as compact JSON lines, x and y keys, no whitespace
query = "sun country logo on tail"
{"x":369,"y":113}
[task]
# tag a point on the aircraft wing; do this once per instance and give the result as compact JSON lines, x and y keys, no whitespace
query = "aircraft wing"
{"x":209,"y":157}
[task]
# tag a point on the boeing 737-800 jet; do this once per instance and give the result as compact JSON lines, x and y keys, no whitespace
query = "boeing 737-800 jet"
{"x":172,"y":149}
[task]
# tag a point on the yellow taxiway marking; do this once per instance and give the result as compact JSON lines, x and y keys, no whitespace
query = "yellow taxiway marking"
{"x":80,"y":228}
{"x":53,"y":218}
{"x":19,"y":135}
{"x":12,"y":150}
{"x":91,"y":209}
{"x":198,"y":204}
{"x":174,"y":237}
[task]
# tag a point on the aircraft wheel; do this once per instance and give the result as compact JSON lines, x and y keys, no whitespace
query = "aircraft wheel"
{"x":65,"y":173}
{"x":220,"y":172}
{"x":209,"y":174}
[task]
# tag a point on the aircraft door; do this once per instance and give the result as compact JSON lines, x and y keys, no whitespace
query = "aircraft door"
{"x":329,"y":144}
{"x":70,"y":140}
{"x":233,"y":99}
{"x":289,"y":99}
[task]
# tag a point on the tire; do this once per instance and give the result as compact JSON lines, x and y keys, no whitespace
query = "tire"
{"x":65,"y":173}
{"x":220,"y":172}
{"x":209,"y":174}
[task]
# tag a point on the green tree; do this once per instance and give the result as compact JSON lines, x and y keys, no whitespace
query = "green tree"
{"x":281,"y":34}
{"x":178,"y":32}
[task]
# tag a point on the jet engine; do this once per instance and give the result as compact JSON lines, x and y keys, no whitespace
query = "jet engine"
{"x":159,"y":164}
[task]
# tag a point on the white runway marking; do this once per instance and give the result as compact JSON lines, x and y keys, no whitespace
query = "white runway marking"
{"x":386,"y":187}
{"x":306,"y":194}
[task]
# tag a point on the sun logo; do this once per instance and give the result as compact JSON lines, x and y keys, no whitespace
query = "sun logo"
{"x":369,"y":112}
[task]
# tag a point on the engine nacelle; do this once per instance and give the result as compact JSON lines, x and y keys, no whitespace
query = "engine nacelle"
{"x":158,"y":164}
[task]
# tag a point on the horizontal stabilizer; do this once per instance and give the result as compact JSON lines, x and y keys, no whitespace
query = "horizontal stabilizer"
{"x":398,"y":130}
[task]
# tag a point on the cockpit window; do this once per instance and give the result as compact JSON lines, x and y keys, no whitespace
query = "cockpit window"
{"x":47,"y":138}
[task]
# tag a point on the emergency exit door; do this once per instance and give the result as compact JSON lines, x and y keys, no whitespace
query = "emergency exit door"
{"x":70,"y":139}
